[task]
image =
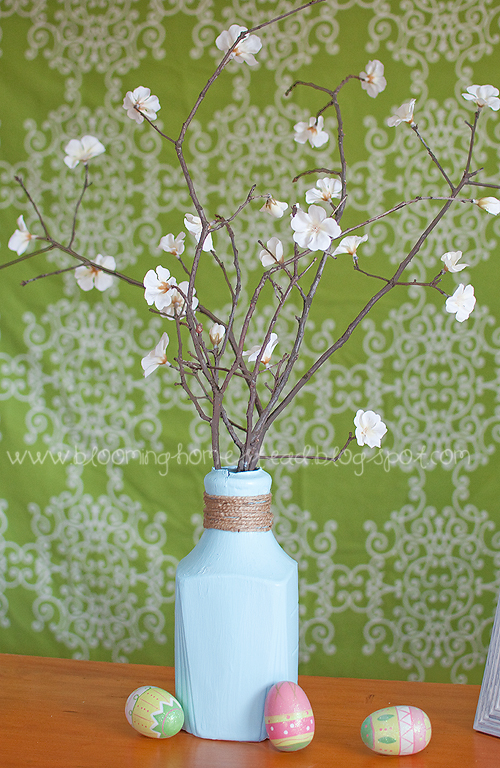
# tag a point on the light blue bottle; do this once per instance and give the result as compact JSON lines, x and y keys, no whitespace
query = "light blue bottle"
{"x":236,"y":621}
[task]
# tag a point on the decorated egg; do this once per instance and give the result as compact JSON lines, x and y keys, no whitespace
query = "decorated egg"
{"x":288,"y":716}
{"x":401,"y":730}
{"x":154,"y":712}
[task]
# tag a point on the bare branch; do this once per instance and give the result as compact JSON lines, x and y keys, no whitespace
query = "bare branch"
{"x":249,"y":198}
{"x":483,"y":184}
{"x":49,"y":274}
{"x":99,"y":267}
{"x":182,"y":375}
{"x":473,"y":128}
{"x":308,"y":457}
{"x":27,"y":256}
{"x":433,"y":157}
{"x":33,"y":204}
{"x":152,"y":124}
{"x":229,"y":426}
{"x":86,"y":185}
{"x":317,"y":170}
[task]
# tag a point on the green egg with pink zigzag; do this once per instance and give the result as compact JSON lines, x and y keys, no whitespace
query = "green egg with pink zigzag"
{"x":397,"y":730}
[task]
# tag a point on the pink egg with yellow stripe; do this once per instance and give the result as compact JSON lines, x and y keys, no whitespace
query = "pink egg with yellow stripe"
{"x":288,"y":717}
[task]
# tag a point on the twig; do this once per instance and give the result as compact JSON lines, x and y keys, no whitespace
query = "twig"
{"x":277,"y":266}
{"x":433,"y":157}
{"x":317,"y":170}
{"x":249,"y":198}
{"x":308,"y":457}
{"x":403,"y":204}
{"x":49,"y":274}
{"x":152,"y":124}
{"x":89,"y":263}
{"x":27,"y":256}
{"x":473,"y":128}
{"x":483,"y":184}
{"x":432,"y":284}
{"x":229,"y":426}
{"x":340,"y":143}
{"x":86,"y":185}
{"x":182,"y":375}
{"x":369,"y":274}
{"x":33,"y":204}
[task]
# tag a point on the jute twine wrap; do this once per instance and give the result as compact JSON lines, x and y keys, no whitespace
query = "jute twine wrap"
{"x":238,"y":513}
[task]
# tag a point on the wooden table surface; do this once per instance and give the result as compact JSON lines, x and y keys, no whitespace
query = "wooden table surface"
{"x":59,"y":713}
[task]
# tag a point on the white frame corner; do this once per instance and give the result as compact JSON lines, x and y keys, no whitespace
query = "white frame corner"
{"x":487,"y":717}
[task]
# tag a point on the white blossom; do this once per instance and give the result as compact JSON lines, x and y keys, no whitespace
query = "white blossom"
{"x":489,"y":204}
{"x":217,"y":333}
{"x":20,"y":240}
{"x":349,"y":245}
{"x":82,"y":150}
{"x":177,"y":305}
{"x":156,"y":357}
{"x":89,"y":277}
{"x":141,"y":102}
{"x":311,"y":131}
{"x":372,"y":79}
{"x":274,"y":207}
{"x":245,"y":49}
{"x":404,"y":114}
{"x":483,"y":96}
{"x":159,"y":286}
{"x":462,"y":302}
{"x":451,"y":259}
{"x":314,"y":230}
{"x":274,"y":253}
{"x":193,"y":224}
{"x":370,"y":428}
{"x":172,"y":244}
{"x":254,"y":352}
{"x":326,"y":189}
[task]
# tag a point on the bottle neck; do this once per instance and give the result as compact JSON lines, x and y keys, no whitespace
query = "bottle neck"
{"x":238,"y":513}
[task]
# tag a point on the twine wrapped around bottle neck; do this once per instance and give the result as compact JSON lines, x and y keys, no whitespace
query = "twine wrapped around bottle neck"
{"x":238,"y":513}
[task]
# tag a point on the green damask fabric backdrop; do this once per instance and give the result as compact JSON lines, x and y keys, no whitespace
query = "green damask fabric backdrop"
{"x":102,"y":470}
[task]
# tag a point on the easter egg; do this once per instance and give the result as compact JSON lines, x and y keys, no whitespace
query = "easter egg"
{"x":400,"y":730}
{"x":288,"y":717}
{"x":154,"y":712}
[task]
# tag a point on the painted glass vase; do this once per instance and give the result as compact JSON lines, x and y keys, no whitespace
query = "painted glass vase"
{"x":236,"y":612}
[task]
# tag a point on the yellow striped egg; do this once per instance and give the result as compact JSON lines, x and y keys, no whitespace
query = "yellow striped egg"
{"x":288,"y":717}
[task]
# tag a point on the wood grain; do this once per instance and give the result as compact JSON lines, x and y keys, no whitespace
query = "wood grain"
{"x":60,"y":713}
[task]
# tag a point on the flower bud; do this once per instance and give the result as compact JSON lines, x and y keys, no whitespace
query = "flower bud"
{"x":217,"y":333}
{"x":489,"y":204}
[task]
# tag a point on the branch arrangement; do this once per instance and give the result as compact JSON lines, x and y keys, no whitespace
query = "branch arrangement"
{"x":207,"y":365}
